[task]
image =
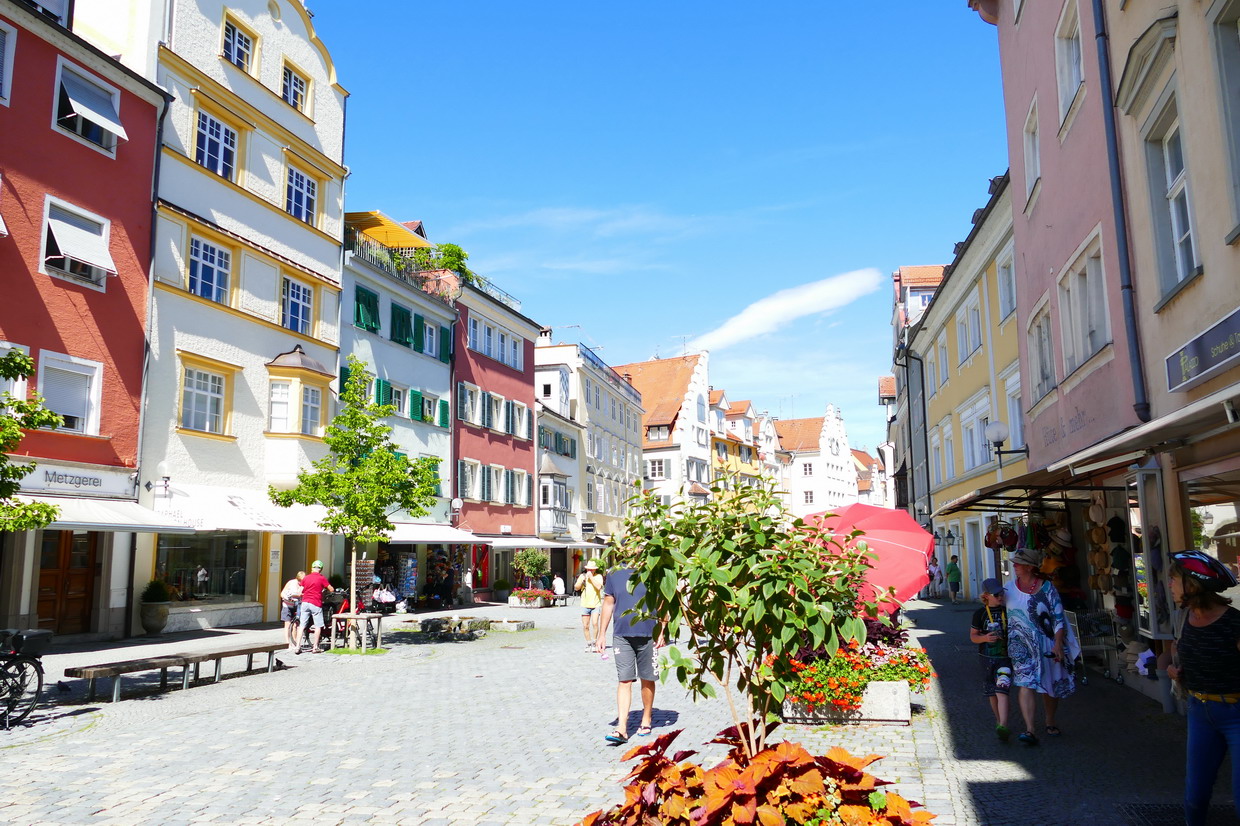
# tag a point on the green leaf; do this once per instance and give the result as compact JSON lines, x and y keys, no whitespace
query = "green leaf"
{"x":878,"y":801}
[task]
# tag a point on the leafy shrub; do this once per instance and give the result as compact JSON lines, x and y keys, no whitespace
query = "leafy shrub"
{"x":502,"y":584}
{"x":780,"y":784}
{"x":156,"y":591}
{"x":531,"y":594}
{"x":531,"y":562}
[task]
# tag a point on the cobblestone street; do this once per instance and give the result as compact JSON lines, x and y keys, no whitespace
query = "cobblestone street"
{"x":508,"y":729}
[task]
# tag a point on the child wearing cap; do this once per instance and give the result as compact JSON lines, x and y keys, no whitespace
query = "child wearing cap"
{"x":989,"y":633}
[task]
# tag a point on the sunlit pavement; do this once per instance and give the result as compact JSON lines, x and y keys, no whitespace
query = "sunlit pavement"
{"x":509,"y":729}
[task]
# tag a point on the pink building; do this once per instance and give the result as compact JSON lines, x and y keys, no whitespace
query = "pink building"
{"x":78,"y":141}
{"x":1081,"y":380}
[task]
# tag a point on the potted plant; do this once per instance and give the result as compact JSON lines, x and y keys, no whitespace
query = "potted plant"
{"x":531,"y":597}
{"x":867,"y":683}
{"x":153,"y":610}
{"x":500,"y":589}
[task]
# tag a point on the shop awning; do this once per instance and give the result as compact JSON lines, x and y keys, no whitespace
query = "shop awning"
{"x":229,"y":509}
{"x":80,"y":513}
{"x":81,"y":243}
{"x":91,"y":103}
{"x":1193,"y":422}
{"x":1020,"y":492}
{"x":385,"y":230}
{"x":508,"y":541}
{"x":432,"y":534}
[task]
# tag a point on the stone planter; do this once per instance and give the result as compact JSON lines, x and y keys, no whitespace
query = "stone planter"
{"x":499,"y":595}
{"x":887,"y":703}
{"x":541,"y":602}
{"x":154,"y":616}
{"x":511,"y":625}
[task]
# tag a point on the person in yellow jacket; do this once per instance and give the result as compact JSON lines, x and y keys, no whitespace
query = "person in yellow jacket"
{"x":590,"y":584}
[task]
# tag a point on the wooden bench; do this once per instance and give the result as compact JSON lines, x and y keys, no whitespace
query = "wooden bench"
{"x":116,"y":670}
{"x":559,"y":599}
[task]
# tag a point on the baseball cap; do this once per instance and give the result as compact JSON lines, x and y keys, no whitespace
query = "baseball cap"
{"x":992,"y":586}
{"x":318,"y":565}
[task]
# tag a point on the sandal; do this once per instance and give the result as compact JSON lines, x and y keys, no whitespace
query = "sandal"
{"x":1027,"y":738}
{"x":617,"y":736}
{"x":1003,"y":732}
{"x":1053,"y":731}
{"x":643,"y":731}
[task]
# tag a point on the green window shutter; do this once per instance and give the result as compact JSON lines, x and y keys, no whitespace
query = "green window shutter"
{"x":529,"y":491}
{"x":439,"y":479}
{"x":415,"y":404}
{"x":509,"y":414}
{"x":366,"y":309}
{"x":383,"y":391}
{"x":460,"y":479}
{"x":486,"y":409}
{"x":542,"y":437}
{"x":400,"y":325}
{"x":558,"y":448}
{"x":529,"y":424}
{"x":508,"y":487}
{"x":445,"y":345}
{"x":401,"y":455}
{"x":419,"y":333}
{"x":462,"y":401}
{"x":344,"y":377}
{"x":572,"y":448}
{"x":443,"y":412}
{"x":486,"y":484}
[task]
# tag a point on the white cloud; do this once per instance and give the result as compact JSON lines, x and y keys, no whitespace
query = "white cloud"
{"x":769,"y":314}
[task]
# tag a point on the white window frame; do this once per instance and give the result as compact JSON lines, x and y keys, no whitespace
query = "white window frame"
{"x":1005,"y":272}
{"x":520,"y":414}
{"x":1041,"y":352}
{"x":186,"y":390}
{"x":497,"y":483}
{"x":1084,"y":325}
{"x":399,"y":400}
{"x":203,"y":132}
{"x":288,"y":88}
{"x":7,"y":51}
{"x":309,"y":394}
{"x":1015,"y":412}
{"x":1177,"y":192}
{"x":250,"y":52}
{"x":936,"y":452}
{"x":273,"y":424}
{"x":944,"y":366}
{"x":521,"y":488}
{"x":473,"y":394}
{"x":472,"y":487}
{"x":430,"y":409}
{"x":108,"y":147}
{"x":301,"y":195}
{"x":949,"y":455}
{"x":288,"y":302}
{"x":1069,"y":58}
{"x":430,"y":338}
{"x":656,"y":469}
{"x":222,"y":264}
{"x":807,"y":468}
{"x":1032,"y":143}
{"x":497,"y":412}
{"x":17,"y":388}
{"x":473,"y":333}
{"x":98,"y":279}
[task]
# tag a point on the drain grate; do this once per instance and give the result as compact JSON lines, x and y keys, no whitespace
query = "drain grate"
{"x":1170,"y":814}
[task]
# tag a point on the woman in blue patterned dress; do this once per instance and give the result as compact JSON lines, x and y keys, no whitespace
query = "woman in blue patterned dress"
{"x":1039,"y":643}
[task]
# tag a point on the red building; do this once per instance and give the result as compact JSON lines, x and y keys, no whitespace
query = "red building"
{"x":78,"y":140}
{"x":493,"y":440}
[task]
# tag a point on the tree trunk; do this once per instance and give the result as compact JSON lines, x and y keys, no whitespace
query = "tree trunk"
{"x":352,"y":573}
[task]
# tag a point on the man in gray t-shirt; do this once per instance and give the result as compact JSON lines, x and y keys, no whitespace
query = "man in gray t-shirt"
{"x":633,"y":648}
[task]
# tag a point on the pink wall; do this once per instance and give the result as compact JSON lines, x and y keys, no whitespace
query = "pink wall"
{"x":1074,"y":200}
{"x":42,"y":312}
{"x":484,"y":445}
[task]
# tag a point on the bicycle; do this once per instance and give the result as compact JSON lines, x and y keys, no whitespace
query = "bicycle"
{"x":21,"y":672}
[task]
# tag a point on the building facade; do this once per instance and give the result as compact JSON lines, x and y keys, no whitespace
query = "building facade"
{"x":79,"y":137}
{"x":822,"y":474}
{"x":244,"y":330}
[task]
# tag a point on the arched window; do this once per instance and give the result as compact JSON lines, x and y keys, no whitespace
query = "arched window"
{"x":701,"y":408}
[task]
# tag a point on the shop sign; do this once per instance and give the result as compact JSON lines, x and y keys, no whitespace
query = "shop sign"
{"x":1204,"y":355}
{"x":76,"y":480}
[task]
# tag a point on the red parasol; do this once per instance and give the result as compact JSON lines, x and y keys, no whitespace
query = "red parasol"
{"x":902,"y":548}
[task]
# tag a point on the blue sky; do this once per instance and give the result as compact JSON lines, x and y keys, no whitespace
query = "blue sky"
{"x":654,"y":176}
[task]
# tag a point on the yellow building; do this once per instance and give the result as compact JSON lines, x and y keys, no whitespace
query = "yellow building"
{"x":967,"y":340}
{"x":734,"y":450}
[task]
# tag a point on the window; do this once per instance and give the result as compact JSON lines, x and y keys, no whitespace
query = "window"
{"x":809,"y":497}
{"x":297,"y":301}
{"x":932,"y":376}
{"x":488,"y":338}
{"x":294,"y":89}
{"x":520,"y":421}
{"x":301,"y":195}
{"x":937,"y":464}
{"x":546,"y":391}
{"x":398,"y":401}
{"x":496,"y":419}
{"x":1033,"y":151}
{"x":430,"y":404}
{"x":366,"y":309}
{"x":429,"y":333}
{"x":962,"y":339}
{"x":659,"y":433}
{"x":473,"y":334}
{"x":238,"y":46}
{"x":311,"y":411}
{"x":202,"y":401}
{"x":1083,"y":311}
{"x":1007,"y":284}
{"x":496,"y":489}
{"x":701,"y":408}
{"x":216,"y":147}
{"x":75,"y":244}
{"x":209,"y":268}
{"x":520,"y":488}
{"x":949,"y":457}
{"x":15,"y":387}
{"x":807,"y":469}
{"x":88,"y":109}
{"x":401,"y":331}
{"x":1016,"y":417}
{"x":468,"y":479}
{"x":1173,"y":220}
{"x":8,"y":44}
{"x":942,"y":348}
{"x":516,"y":353}
{"x":468,"y":408}
{"x":70,"y":386}
{"x":1068,"y":58}
{"x":1041,"y":355}
{"x":656,"y":469}
{"x":278,"y":407}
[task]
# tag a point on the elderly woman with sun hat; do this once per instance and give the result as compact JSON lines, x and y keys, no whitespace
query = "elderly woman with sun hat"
{"x":1040,"y":642}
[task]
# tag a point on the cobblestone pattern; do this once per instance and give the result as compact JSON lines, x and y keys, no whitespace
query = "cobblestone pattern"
{"x":508,"y":730}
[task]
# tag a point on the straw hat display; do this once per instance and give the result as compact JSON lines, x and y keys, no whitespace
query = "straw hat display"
{"x":1097,"y":514}
{"x":1062,"y":536}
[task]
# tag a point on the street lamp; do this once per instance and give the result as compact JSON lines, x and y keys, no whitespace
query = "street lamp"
{"x":997,"y":433}
{"x":949,"y":540}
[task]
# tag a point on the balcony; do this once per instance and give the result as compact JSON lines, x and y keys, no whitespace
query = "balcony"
{"x":401,"y":265}
{"x":485,"y":286}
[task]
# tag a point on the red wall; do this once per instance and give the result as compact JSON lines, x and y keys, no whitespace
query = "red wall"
{"x":479,"y":443}
{"x":42,"y":312}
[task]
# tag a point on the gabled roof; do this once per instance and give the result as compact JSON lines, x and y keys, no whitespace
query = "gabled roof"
{"x":715,"y":396}
{"x":740,"y":408}
{"x":799,"y":434}
{"x":921,"y":276}
{"x":886,"y":386}
{"x":864,"y":460}
{"x":662,"y":384}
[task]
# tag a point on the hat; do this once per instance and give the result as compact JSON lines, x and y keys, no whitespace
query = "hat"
{"x":591,"y":565}
{"x":1062,"y":536}
{"x":1027,"y":556}
{"x":318,"y":565}
{"x":1096,"y":513}
{"x":992,"y":586}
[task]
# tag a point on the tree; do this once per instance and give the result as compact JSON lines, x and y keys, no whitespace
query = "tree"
{"x":363,"y":479}
{"x":752,"y":585}
{"x":16,"y":415}
{"x":532,"y":563}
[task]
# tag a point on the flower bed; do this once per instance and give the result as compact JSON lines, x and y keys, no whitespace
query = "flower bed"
{"x":835,"y":687}
{"x":531,"y":597}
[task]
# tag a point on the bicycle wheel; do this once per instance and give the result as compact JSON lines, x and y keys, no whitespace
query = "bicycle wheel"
{"x":21,"y":683}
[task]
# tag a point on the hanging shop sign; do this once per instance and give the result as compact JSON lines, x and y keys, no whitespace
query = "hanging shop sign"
{"x":77,"y":480}
{"x":1204,"y":356}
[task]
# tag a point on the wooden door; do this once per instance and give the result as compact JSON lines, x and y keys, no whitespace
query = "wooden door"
{"x":67,"y":581}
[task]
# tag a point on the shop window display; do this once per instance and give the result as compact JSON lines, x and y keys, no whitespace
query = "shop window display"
{"x":1214,"y":516}
{"x":221,"y":567}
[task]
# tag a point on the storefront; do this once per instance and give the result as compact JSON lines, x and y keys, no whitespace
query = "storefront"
{"x":73,"y":576}
{"x":429,"y":566}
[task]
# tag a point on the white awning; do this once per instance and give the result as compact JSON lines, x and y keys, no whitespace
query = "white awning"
{"x":430,"y":534}
{"x":80,"y":240}
{"x":80,"y":513}
{"x":229,"y":509}
{"x":508,"y":541}
{"x":91,"y":103}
